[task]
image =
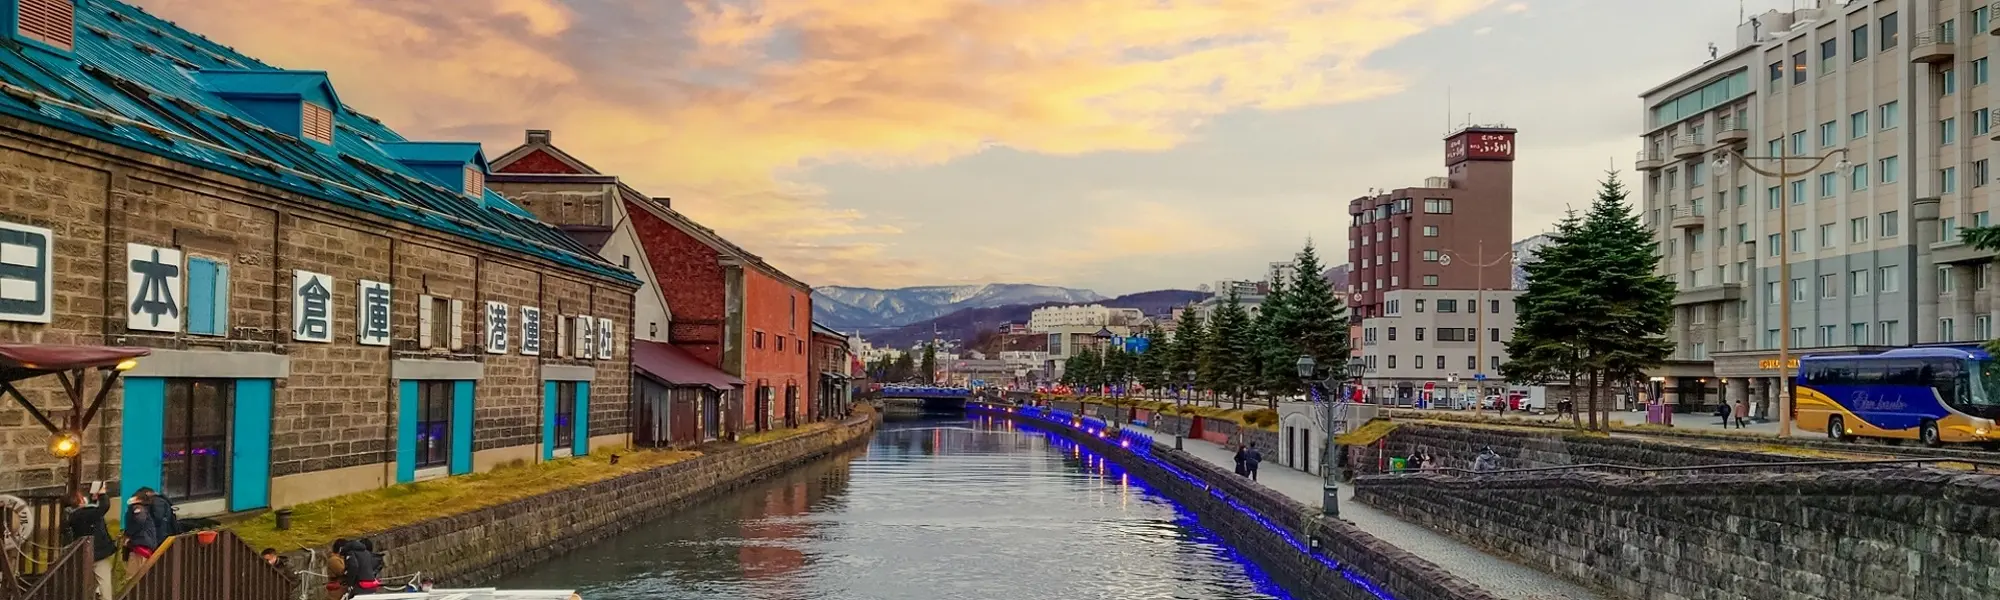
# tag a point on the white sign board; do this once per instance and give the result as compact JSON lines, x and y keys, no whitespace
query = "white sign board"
{"x":371,"y":313}
{"x":312,"y":307}
{"x":27,"y":274}
{"x":154,"y":279}
{"x":497,"y":316}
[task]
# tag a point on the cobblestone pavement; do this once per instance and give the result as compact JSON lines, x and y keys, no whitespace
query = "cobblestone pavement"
{"x":1502,"y":578}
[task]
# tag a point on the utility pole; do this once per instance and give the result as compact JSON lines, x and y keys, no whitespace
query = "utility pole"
{"x":1479,"y":265}
{"x":1784,"y":176}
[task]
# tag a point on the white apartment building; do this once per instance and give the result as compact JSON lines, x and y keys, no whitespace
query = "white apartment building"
{"x":1440,"y":337}
{"x":1904,"y":88}
{"x":1279,"y":271}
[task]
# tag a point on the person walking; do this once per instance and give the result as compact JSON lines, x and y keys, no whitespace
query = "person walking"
{"x":1251,"y":459}
{"x":1242,"y":454}
{"x":1742,"y":414}
{"x":86,"y":520}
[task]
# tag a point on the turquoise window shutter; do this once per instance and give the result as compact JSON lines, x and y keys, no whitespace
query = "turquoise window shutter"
{"x":582,"y":419}
{"x":549,"y":420}
{"x":207,"y":297}
{"x":461,"y":427}
{"x":144,"y":437}
{"x":250,"y":460}
{"x":406,"y":432}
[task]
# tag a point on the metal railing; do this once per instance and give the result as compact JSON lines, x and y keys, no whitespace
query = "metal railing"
{"x":1646,"y":155}
{"x":208,"y":565}
{"x":44,"y":540}
{"x":1749,"y":466}
{"x":1685,"y":139}
{"x":1941,"y":35}
{"x":69,"y":577}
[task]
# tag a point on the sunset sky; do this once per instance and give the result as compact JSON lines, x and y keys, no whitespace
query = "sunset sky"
{"x":1118,"y":145}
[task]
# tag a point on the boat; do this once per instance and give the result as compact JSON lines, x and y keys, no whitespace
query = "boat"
{"x":480,"y":594}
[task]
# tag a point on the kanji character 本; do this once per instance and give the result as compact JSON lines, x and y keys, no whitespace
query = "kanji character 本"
{"x":313,"y":301}
{"x":158,"y":270}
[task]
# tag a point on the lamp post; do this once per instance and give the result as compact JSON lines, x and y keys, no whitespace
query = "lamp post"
{"x":1784,"y":174}
{"x":1479,"y":266}
{"x":1320,"y":381}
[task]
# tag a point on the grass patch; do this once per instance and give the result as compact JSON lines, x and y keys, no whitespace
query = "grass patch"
{"x":765,"y":437}
{"x":317,"y":524}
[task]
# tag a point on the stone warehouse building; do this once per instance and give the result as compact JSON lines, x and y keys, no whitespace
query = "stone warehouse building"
{"x":717,"y":317}
{"x":332,"y":308}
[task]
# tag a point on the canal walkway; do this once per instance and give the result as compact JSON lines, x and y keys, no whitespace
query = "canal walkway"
{"x":1499,"y":576}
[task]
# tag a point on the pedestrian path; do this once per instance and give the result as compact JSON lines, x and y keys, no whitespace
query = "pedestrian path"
{"x":1497,"y":575}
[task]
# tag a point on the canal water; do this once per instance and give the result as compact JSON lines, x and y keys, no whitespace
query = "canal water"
{"x":931,"y":509}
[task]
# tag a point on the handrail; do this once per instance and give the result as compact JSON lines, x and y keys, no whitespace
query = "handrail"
{"x":1941,"y":35}
{"x":1728,"y":466}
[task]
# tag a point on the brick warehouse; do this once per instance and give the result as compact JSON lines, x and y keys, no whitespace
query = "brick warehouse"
{"x":332,"y":308}
{"x":710,"y":300}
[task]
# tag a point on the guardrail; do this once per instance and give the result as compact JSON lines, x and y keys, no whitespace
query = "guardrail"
{"x":1752,"y":466}
{"x":69,"y":577}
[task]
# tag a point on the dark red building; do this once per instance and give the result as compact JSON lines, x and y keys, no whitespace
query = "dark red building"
{"x":1434,"y":236}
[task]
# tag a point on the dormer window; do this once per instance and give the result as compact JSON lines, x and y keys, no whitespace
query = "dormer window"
{"x":475,"y":181}
{"x":316,"y":123}
{"x":51,"y":22}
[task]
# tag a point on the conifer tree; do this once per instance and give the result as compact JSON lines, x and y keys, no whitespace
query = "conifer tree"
{"x":1545,"y":346}
{"x":1188,"y":340}
{"x":1318,"y":319}
{"x":1232,"y":355}
{"x":1276,"y":354}
{"x":1630,"y":336}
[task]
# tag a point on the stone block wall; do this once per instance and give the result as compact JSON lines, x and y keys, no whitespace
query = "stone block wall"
{"x":1457,"y":446}
{"x":1284,"y":552}
{"x":1889,"y":533}
{"x":477,"y":546}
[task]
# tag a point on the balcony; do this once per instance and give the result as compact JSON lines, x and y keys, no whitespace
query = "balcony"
{"x":1993,"y":121}
{"x":1993,"y":25}
{"x":1684,"y":218}
{"x":1935,"y":46}
{"x":1687,"y":145}
{"x":1957,"y":252}
{"x":1727,"y":292}
{"x":1733,"y":135}
{"x":1650,"y":160}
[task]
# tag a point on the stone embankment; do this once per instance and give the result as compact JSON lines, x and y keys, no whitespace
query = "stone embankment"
{"x":1312,"y":557}
{"x":477,"y":546}
{"x":1889,"y":534}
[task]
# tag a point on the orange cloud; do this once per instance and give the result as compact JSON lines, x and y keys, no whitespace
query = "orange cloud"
{"x":725,"y":103}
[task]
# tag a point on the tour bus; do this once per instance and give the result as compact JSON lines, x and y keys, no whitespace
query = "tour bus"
{"x":1935,"y":395}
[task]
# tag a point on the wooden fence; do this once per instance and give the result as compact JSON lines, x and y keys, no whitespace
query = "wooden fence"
{"x":208,"y":565}
{"x":68,"y":577}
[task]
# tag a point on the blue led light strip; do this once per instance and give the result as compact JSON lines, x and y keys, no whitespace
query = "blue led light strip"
{"x":1094,"y":427}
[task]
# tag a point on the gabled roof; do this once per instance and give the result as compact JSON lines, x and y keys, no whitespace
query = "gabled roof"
{"x":132,"y":83}
{"x":268,"y":83}
{"x":539,"y":141}
{"x":436,"y":152}
{"x":827,"y":331}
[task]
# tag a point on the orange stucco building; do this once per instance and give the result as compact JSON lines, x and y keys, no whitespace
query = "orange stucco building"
{"x":777,"y":329}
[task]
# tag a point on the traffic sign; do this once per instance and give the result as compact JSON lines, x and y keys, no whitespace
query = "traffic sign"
{"x":1479,"y":377}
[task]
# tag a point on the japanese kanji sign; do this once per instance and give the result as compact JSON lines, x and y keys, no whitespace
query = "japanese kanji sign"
{"x":531,"y":330}
{"x":371,"y":313}
{"x":497,"y":316}
{"x":604,"y":339}
{"x":26,"y":275}
{"x":312,"y":307}
{"x":152,"y":288}
{"x":586,"y":337}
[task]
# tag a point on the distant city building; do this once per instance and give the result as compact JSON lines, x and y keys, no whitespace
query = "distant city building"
{"x":1436,"y":337}
{"x":1280,"y":271}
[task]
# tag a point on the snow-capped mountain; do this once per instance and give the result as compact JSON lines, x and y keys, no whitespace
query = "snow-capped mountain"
{"x":855,"y":308}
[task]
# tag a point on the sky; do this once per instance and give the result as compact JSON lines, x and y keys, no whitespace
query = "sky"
{"x":1115,"y":145}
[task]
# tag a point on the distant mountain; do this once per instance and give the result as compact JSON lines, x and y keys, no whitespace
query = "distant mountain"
{"x":864,"y":309}
{"x":966,"y":325}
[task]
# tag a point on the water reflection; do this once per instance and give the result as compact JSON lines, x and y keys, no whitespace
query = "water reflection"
{"x":965,"y":510}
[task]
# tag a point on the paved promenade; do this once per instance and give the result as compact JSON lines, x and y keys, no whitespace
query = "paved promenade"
{"x":1502,"y":578}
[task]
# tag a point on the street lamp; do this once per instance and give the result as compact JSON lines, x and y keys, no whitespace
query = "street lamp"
{"x":1784,"y":174}
{"x":1319,"y":382}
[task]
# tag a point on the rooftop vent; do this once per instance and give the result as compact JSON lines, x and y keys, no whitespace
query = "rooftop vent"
{"x":51,"y":22}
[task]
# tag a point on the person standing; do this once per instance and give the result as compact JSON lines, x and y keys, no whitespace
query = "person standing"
{"x":142,"y":535}
{"x":1251,"y":459}
{"x":86,"y":520}
{"x":1242,"y":468}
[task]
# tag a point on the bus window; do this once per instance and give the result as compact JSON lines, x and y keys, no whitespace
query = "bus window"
{"x":1989,"y":381}
{"x":1948,"y":377}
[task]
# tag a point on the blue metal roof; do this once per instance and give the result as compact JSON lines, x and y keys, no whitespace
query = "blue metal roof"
{"x":144,"y":83}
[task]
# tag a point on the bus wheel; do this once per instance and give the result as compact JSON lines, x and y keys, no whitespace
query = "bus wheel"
{"x":1836,"y":429}
{"x":1929,"y":434}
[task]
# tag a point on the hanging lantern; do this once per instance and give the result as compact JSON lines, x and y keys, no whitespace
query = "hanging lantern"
{"x":65,"y":445}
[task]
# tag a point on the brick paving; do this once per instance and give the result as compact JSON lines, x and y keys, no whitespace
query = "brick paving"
{"x":1497,"y":575}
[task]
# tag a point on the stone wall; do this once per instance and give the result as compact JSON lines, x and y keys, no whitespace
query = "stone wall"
{"x":480,"y":545}
{"x":1889,"y":534}
{"x":1284,"y":547}
{"x":1522,"y":448}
